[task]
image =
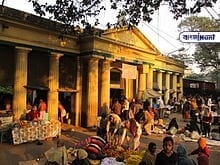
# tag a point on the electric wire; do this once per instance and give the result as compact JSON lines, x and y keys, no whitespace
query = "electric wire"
{"x":159,"y":34}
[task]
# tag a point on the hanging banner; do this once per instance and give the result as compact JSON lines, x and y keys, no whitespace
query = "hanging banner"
{"x":129,"y":71}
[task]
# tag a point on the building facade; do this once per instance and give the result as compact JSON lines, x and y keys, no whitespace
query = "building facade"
{"x":88,"y":70}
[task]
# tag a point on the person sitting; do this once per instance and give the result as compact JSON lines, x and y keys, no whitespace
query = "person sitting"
{"x":34,"y":114}
{"x":172,"y":127}
{"x":81,"y":158}
{"x":149,"y":125}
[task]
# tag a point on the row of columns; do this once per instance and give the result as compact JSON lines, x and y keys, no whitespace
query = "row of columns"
{"x":19,"y":98}
{"x":146,"y":82}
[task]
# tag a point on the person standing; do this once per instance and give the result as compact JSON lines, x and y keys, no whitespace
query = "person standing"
{"x":160,"y":102}
{"x":125,"y":109}
{"x":150,"y":154}
{"x":62,"y":112}
{"x":207,"y":120}
{"x":167,"y":156}
{"x":116,"y":107}
{"x":42,"y":108}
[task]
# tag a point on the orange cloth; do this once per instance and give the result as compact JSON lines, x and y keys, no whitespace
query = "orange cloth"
{"x":149,"y":115}
{"x":202,"y":142}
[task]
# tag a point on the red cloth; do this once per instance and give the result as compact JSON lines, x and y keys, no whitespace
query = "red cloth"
{"x":33,"y":115}
{"x":200,"y":151}
{"x":207,"y":119}
{"x":203,"y":159}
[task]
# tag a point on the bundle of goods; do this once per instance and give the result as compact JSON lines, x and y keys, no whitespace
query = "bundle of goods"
{"x":98,"y":149}
{"x":121,"y":154}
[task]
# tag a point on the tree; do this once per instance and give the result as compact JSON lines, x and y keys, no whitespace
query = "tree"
{"x":78,"y":12}
{"x":206,"y":54}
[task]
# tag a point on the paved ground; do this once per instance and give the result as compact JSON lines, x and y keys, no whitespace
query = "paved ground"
{"x":11,"y":154}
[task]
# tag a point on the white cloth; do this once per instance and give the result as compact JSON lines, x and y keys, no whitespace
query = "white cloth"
{"x":42,"y":115}
{"x":63,"y":113}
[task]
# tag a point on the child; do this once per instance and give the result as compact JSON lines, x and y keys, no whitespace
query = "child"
{"x":167,"y":156}
{"x":183,"y":159}
{"x":149,"y":155}
{"x":202,"y":151}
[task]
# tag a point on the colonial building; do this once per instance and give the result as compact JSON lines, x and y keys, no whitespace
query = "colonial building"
{"x":37,"y":60}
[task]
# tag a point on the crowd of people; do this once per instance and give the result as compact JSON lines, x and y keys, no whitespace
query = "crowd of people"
{"x":167,"y":156}
{"x":38,"y":111}
{"x":128,"y":120}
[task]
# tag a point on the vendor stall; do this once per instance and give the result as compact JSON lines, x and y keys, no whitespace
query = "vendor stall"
{"x":35,"y":130}
{"x":6,"y":120}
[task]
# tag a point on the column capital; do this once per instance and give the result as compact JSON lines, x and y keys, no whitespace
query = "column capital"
{"x":169,"y":72}
{"x":106,"y":61}
{"x":56,"y":54}
{"x":23,"y":49}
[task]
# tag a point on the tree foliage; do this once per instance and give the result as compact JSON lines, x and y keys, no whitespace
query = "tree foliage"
{"x":195,"y":23}
{"x":206,"y":54}
{"x":77,"y":12}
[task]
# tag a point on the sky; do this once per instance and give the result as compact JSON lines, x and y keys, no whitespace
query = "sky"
{"x":162,"y":31}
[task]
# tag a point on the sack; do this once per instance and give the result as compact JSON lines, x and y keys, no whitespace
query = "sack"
{"x":195,"y":135}
{"x":46,"y":116}
{"x":93,"y":148}
{"x":173,"y":130}
{"x":98,"y":141}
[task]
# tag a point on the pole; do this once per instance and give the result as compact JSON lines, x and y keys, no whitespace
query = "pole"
{"x":218,"y":71}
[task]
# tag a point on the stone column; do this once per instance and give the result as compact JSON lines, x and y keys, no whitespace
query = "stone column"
{"x":78,"y":104}
{"x":142,"y":84}
{"x":150,"y":82}
{"x":53,"y":84}
{"x":92,"y":102}
{"x":175,"y":85}
{"x":159,"y":80}
{"x":105,"y":87}
{"x":167,"y":92}
{"x":180,"y":86}
{"x":150,"y":78}
{"x":19,"y":98}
